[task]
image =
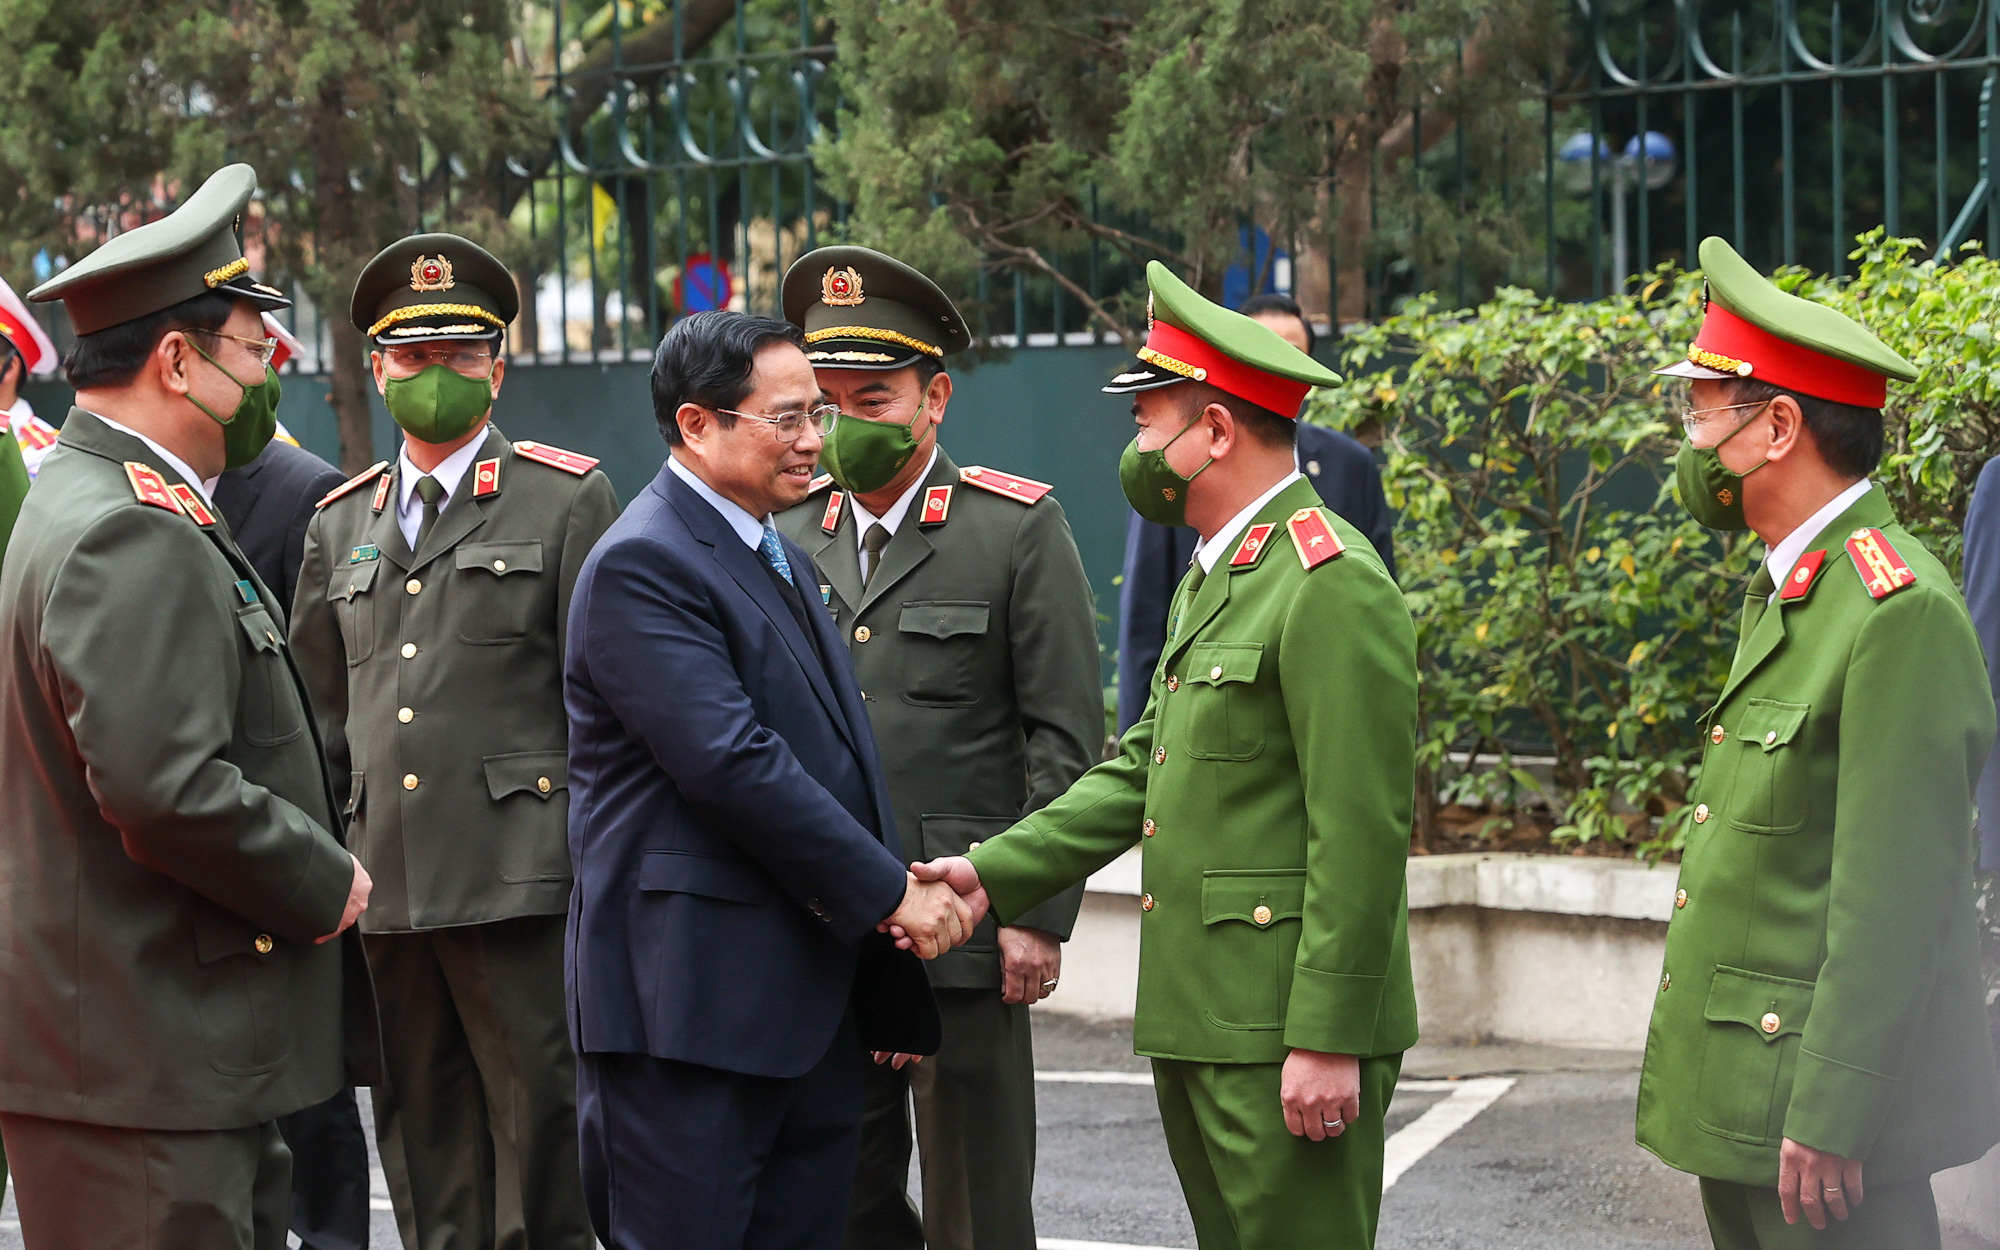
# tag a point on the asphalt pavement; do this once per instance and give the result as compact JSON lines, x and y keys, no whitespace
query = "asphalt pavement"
{"x":1496,"y":1146}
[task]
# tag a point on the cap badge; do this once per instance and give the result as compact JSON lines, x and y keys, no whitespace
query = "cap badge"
{"x":431,"y":273}
{"x":841,"y":288}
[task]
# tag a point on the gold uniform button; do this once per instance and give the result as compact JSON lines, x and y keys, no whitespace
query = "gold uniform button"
{"x":1145,"y":902}
{"x":405,"y":715}
{"x":862,"y":634}
{"x":1771,"y":1022}
{"x":271,"y":637}
{"x":409,"y":781}
{"x":1680,"y":899}
{"x":499,"y":566}
{"x":1215,"y":674}
{"x":264,"y":944}
{"x":1701,"y":813}
{"x":1149,"y":828}
{"x":1717,"y":734}
{"x":409,"y":650}
{"x":1666,"y":982}
{"x":1173,"y":684}
{"x":973,"y":846}
{"x":350,"y":590}
{"x":542,"y":784}
{"x":1262,"y":915}
{"x":413,"y":585}
{"x":1771,"y":738}
{"x":1160,"y":756}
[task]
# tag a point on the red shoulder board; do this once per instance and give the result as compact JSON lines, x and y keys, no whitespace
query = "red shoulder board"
{"x":35,"y":434}
{"x":831,"y":521}
{"x":1800,"y":580}
{"x":150,"y":487}
{"x":937,"y":506}
{"x":486,"y":477}
{"x":819,"y":483}
{"x":1314,"y":538}
{"x":354,"y":483}
{"x":1252,"y":548}
{"x":192,"y":505}
{"x":556,"y":457}
{"x":1882,"y":570}
{"x":381,"y":492}
{"x":1022,"y":489}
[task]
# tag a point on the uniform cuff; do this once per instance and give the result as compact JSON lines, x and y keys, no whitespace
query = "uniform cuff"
{"x":320,"y":899}
{"x":1011,"y":893}
{"x":1056,"y":917}
{"x":1333,"y":1012}
{"x":1836,"y":1107}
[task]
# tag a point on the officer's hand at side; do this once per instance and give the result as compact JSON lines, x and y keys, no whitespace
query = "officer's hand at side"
{"x":1029,"y":960}
{"x":895,"y":1058}
{"x":1815,"y":1182}
{"x":931,"y":920}
{"x":357,"y":901}
{"x":957,"y":871}
{"x":1321,"y":1093}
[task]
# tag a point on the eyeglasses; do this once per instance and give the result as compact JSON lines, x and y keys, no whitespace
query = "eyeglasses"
{"x":262,"y":349}
{"x":1693,"y":418}
{"x":788,"y":426}
{"x":472,"y":360}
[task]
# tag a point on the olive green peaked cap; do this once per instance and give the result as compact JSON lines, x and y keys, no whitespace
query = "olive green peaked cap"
{"x":861,"y":309}
{"x":190,"y":251}
{"x":1189,"y":338}
{"x":433,"y":286}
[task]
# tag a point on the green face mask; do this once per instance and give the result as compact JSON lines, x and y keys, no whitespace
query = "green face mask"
{"x":438,"y":405}
{"x":1710,"y":492}
{"x":247,"y":430}
{"x":865,"y":456}
{"x":1154,"y":490}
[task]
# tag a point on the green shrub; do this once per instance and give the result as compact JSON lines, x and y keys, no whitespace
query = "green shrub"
{"x":1565,"y":604}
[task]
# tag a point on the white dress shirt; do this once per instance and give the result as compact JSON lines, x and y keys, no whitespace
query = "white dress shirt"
{"x":1210,"y":549}
{"x":1780,"y":559}
{"x":893,"y":518}
{"x":450,"y":473}
{"x":179,"y":465}
{"x":747,"y":527}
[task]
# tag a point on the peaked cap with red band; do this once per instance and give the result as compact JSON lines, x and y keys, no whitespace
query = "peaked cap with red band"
{"x":1190,"y":339}
{"x":1751,"y":329}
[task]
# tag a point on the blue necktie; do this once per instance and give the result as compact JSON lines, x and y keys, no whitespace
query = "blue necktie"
{"x":774,"y":551}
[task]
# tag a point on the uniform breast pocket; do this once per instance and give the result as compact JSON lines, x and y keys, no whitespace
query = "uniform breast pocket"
{"x":1770,"y":794}
{"x":1222,"y":711}
{"x":1754,"y":1021}
{"x":500,"y":585}
{"x":1250,"y":920}
{"x":352,"y":594}
{"x":941,"y":642}
{"x":268,"y":713}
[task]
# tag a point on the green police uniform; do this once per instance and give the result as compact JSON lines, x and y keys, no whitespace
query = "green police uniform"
{"x":13,"y":482}
{"x":975,"y":641}
{"x":437,"y":676}
{"x":1270,"y":786}
{"x":171,"y":858}
{"x":1822,"y":965}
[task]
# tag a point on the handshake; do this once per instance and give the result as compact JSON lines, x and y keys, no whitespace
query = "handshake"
{"x":941,"y":905}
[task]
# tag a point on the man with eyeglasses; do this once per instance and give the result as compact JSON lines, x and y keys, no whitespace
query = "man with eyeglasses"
{"x":429,"y":621}
{"x":1818,"y":1045}
{"x":972,"y":627}
{"x":174,"y":977}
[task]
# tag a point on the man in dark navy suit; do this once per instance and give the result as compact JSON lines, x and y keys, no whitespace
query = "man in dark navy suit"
{"x":737,"y":866}
{"x":1982,"y":599}
{"x":1156,"y":556}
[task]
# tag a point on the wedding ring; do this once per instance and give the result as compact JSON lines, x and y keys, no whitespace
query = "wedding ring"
{"x":1049,"y":984}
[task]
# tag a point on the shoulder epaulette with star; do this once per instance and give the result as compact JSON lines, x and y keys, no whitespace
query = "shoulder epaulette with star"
{"x":1019,"y":489}
{"x":1314,"y":537}
{"x":819,"y":483}
{"x":556,"y":457}
{"x":150,"y":487}
{"x":358,"y":480}
{"x":1883,"y":572}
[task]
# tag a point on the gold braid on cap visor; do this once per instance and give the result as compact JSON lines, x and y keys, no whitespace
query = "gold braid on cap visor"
{"x":434,"y":310}
{"x":1716,"y":360}
{"x":1168,"y":363}
{"x":870,"y":332}
{"x":234,"y":269}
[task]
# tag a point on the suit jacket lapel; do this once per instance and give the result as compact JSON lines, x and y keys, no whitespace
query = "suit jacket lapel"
{"x":839,"y":560}
{"x":462,"y":512}
{"x":909,"y":547}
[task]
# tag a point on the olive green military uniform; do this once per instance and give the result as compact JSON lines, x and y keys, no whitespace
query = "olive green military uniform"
{"x":437,"y":676}
{"x":13,"y":490}
{"x":975,"y":641}
{"x":1270,"y":786}
{"x":170,"y":860}
{"x":1822,"y":965}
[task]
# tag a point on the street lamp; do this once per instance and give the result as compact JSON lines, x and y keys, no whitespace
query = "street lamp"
{"x":1649,"y":158}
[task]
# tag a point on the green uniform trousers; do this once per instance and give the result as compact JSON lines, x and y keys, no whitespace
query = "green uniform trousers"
{"x":476,"y":1118}
{"x":1250,"y":1184}
{"x":1902,"y":1216}
{"x":975,"y":1114}
{"x":91,"y":1186}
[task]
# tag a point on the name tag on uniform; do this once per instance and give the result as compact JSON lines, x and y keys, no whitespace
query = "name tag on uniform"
{"x":246,"y":591}
{"x":367,"y":552}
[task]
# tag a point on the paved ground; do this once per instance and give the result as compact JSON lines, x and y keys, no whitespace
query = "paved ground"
{"x":1544,"y":1163}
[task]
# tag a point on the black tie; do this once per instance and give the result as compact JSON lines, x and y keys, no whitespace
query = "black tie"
{"x":872,"y":542}
{"x":430,"y":490}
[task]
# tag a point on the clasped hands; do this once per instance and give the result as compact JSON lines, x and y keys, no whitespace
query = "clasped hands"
{"x":942,"y":904}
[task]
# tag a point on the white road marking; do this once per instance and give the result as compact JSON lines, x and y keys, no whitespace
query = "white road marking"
{"x":1064,"y":1243}
{"x":1422,"y":1135}
{"x":1097,"y":1078}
